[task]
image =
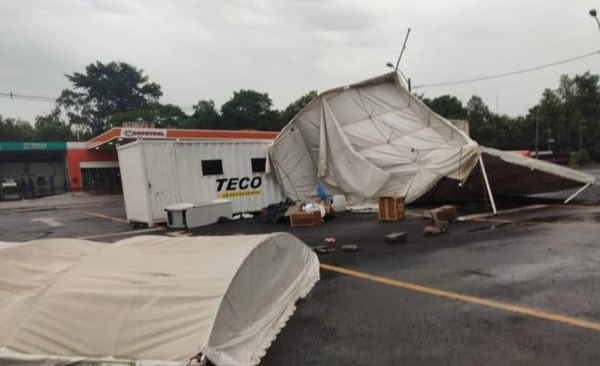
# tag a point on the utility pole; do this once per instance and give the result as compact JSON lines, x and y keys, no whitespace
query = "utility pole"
{"x":580,"y":134}
{"x":537,"y":136}
{"x":403,"y":48}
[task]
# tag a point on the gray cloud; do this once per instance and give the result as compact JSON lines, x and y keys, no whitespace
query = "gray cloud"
{"x":207,"y":49}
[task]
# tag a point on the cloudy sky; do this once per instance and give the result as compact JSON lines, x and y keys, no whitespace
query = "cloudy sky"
{"x":207,"y":49}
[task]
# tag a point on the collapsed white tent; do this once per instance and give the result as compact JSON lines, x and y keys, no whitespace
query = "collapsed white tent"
{"x":375,"y":138}
{"x":149,"y":298}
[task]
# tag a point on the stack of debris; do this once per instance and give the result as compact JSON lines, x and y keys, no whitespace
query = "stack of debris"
{"x":299,"y":214}
{"x":440,"y":218}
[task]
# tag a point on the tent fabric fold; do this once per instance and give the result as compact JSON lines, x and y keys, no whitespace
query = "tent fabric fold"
{"x":150,"y":297}
{"x":374,"y":138}
{"x":370,"y":139}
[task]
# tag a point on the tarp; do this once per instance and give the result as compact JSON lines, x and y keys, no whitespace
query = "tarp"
{"x":375,"y":138}
{"x":511,"y":174}
{"x":150,"y":298}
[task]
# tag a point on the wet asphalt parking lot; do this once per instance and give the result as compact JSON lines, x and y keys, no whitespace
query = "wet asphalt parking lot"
{"x":519,"y":288}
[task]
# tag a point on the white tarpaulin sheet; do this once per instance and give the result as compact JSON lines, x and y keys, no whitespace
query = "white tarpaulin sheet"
{"x":375,"y":139}
{"x":367,"y":140}
{"x":150,"y":298}
{"x":512,"y":174}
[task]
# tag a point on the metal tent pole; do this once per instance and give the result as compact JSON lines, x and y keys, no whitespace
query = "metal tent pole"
{"x":576,"y":193}
{"x":487,"y":185}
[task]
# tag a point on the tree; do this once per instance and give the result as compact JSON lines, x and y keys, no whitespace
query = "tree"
{"x":104,"y":90}
{"x":447,"y":106}
{"x":587,"y":123}
{"x":12,"y":130}
{"x":478,"y":110}
{"x":481,"y":127}
{"x":205,"y":116}
{"x":549,"y":113}
{"x":248,"y":109}
{"x":162,"y":115}
{"x":49,"y":127}
{"x":295,"y":107}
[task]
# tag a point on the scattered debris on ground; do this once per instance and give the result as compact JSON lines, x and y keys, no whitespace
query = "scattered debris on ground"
{"x":349,"y":248}
{"x":323,"y":249}
{"x":396,"y":238}
{"x":442,"y":213}
{"x":440,"y":218}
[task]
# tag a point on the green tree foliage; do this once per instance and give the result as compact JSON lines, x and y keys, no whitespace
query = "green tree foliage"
{"x":105,"y":90}
{"x":15,"y":130}
{"x":568,"y":119}
{"x":205,"y":116}
{"x":162,"y":115}
{"x":295,"y":107}
{"x":447,"y":106}
{"x":49,"y":127}
{"x":482,"y":126}
{"x":248,"y":109}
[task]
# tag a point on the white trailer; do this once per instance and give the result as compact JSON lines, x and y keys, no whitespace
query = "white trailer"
{"x":156,"y":174}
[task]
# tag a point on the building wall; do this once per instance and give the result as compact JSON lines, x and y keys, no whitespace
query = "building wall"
{"x":35,"y":170}
{"x":76,"y":157}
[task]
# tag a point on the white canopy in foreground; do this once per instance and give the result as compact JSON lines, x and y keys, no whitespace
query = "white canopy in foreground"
{"x":150,"y":298}
{"x":375,"y":138}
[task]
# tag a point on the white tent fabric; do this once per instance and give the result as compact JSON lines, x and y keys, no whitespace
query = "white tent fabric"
{"x":375,"y":138}
{"x":370,"y":139}
{"x":150,"y":298}
{"x":512,"y":174}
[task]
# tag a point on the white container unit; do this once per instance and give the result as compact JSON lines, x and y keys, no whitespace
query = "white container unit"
{"x":156,"y":174}
{"x":188,"y":215}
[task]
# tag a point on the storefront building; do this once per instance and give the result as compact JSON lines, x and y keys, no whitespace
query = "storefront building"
{"x":47,"y":168}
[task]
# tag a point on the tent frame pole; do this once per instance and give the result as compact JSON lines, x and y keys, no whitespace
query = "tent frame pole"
{"x":487,"y":185}
{"x":576,"y":193}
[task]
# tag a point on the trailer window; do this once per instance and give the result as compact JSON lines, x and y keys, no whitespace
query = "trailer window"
{"x":212,"y":167}
{"x":259,"y":165}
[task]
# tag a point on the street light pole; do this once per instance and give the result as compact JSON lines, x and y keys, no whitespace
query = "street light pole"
{"x":594,"y":15}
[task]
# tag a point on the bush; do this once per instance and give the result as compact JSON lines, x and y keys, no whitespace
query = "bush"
{"x":580,"y":158}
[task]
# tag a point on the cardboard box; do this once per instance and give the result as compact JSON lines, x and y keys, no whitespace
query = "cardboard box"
{"x":299,"y":219}
{"x":391,"y":208}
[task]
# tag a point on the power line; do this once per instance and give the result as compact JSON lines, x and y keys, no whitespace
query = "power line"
{"x":456,"y":82}
{"x":477,"y":91}
{"x":40,"y":98}
{"x":31,"y":98}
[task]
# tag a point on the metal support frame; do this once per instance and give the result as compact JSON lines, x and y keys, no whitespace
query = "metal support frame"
{"x":487,"y":185}
{"x":576,"y":193}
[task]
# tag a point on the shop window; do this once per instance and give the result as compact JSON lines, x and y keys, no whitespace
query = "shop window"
{"x":259,"y":165}
{"x":212,"y":167}
{"x":104,"y":179}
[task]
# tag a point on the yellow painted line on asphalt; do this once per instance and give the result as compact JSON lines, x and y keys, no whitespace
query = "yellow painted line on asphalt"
{"x":466,"y":298}
{"x":122,"y":233}
{"x":104,"y":216}
{"x":572,"y":225}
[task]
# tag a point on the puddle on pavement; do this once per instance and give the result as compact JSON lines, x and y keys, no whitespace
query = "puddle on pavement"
{"x":593,"y":217}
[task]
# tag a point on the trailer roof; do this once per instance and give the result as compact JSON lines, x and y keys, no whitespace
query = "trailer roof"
{"x":122,"y":135}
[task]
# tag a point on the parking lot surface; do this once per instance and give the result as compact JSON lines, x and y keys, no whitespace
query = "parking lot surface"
{"x":518,"y":288}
